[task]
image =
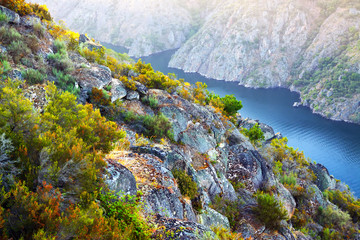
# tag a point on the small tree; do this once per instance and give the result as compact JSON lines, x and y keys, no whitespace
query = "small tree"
{"x":231,"y":105}
{"x":255,"y":133}
{"x":270,"y":211}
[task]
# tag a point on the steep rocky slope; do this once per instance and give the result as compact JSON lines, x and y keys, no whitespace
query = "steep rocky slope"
{"x":191,"y":165}
{"x":274,"y":44}
{"x":144,"y":27}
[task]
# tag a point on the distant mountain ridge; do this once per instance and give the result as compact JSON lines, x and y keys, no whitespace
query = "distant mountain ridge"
{"x":309,"y":46}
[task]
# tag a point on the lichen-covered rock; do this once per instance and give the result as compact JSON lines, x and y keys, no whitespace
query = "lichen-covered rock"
{"x":210,"y":217}
{"x":12,"y":16}
{"x":118,"y":90}
{"x":246,"y":166}
{"x":177,"y":229}
{"x":141,"y":88}
{"x":138,"y":108}
{"x":96,"y":76}
{"x":132,"y":95}
{"x":197,"y":137}
{"x":29,"y":21}
{"x":16,"y":74}
{"x":119,"y":179}
{"x":323,"y":178}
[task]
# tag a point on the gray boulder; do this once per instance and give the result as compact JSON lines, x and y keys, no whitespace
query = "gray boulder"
{"x":118,"y":90}
{"x":197,"y":137}
{"x":16,"y":74}
{"x":120,"y":179}
{"x":132,"y":95}
{"x":83,"y":38}
{"x":141,"y":88}
{"x":183,"y":230}
{"x":96,"y":76}
{"x":12,"y":16}
{"x":323,"y":178}
{"x":210,"y":217}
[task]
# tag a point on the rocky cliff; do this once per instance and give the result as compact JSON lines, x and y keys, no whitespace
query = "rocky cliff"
{"x":144,"y":27}
{"x":276,"y":43}
{"x":273,"y":44}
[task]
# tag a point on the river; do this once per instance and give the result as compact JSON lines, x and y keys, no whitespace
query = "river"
{"x":336,"y":145}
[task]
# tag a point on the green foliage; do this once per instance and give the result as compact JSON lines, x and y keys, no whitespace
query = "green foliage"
{"x":225,"y":234}
{"x":255,"y":133}
{"x":60,"y":59}
{"x":269,"y":210}
{"x":158,"y":126}
{"x":9,"y":34}
{"x":231,"y":105}
{"x":18,"y":50}
{"x":33,"y":76}
{"x":228,"y":208}
{"x":151,"y":101}
{"x":127,"y":211}
{"x":66,"y":82}
{"x":5,"y":67}
{"x":333,"y":217}
{"x":3,"y":18}
{"x":346,"y":202}
{"x":185,"y":183}
{"x":289,"y":179}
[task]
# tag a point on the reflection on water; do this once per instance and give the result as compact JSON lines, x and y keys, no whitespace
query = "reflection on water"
{"x":333,"y":144}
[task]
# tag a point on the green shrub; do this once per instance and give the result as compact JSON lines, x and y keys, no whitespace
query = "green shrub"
{"x":185,"y":183}
{"x":9,"y":34}
{"x":157,"y":126}
{"x":60,"y":59}
{"x":66,"y":82}
{"x":231,"y":105}
{"x":289,"y":179}
{"x":61,"y":62}
{"x":3,"y":18}
{"x":18,"y":50}
{"x":255,"y":133}
{"x":33,"y":76}
{"x":5,"y":67}
{"x":151,"y":101}
{"x":270,"y":211}
{"x":228,"y":208}
{"x":332,"y":217}
{"x":39,"y":30}
{"x":346,"y":202}
{"x":127,"y":211}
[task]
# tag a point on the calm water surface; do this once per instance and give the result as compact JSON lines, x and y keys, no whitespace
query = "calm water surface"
{"x":333,"y":144}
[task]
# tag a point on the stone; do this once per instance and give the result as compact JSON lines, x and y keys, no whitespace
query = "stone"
{"x":118,"y":90}
{"x":83,"y":38}
{"x":323,"y":179}
{"x":183,"y":230}
{"x":132,"y":95}
{"x":96,"y":76}
{"x":12,"y":16}
{"x":16,"y":74}
{"x":93,"y":46}
{"x":210,"y":217}
{"x":29,"y":21}
{"x":197,"y":137}
{"x":141,"y":88}
{"x":120,"y":179}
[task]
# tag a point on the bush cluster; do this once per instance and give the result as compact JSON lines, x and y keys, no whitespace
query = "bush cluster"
{"x":185,"y":183}
{"x":255,"y":134}
{"x":23,"y":8}
{"x":269,"y":210}
{"x":33,"y":76}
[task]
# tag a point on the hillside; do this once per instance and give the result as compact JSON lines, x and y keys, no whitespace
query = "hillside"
{"x":96,"y":146}
{"x":308,"y":46}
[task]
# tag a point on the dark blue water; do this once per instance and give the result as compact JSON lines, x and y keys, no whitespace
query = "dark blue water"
{"x":333,"y":144}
